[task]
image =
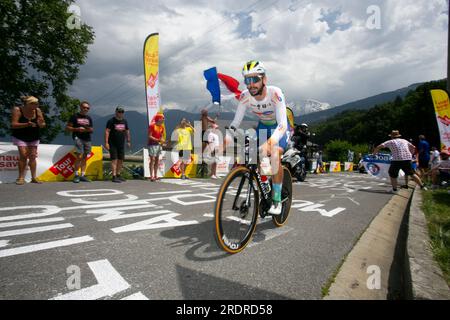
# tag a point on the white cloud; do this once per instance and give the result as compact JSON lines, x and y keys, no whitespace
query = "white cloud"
{"x":333,"y":58}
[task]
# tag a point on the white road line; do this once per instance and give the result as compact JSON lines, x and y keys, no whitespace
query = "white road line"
{"x":269,"y":235}
{"x":28,"y":222}
{"x":136,"y":296}
{"x":44,"y":246}
{"x":16,"y":232}
{"x":169,"y":192}
{"x":109,"y":281}
{"x":4,"y":243}
{"x":247,"y":222}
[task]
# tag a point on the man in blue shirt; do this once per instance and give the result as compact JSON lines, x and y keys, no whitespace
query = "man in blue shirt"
{"x":424,"y":154}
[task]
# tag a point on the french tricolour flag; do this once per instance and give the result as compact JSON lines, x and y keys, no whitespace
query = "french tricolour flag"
{"x":221,"y":86}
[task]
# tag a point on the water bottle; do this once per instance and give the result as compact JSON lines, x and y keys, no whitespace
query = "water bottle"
{"x":265,"y":183}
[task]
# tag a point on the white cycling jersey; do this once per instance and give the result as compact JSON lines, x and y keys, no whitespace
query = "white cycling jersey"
{"x":270,"y":111}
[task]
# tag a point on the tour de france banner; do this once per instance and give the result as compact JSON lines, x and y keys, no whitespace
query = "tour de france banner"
{"x":151,"y":73}
{"x":54,"y":163}
{"x":378,"y":165}
{"x":335,"y":166}
{"x":442,"y":109}
{"x":348,"y":166}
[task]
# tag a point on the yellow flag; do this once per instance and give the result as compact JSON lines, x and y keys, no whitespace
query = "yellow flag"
{"x":442,"y":109}
{"x":151,"y":73}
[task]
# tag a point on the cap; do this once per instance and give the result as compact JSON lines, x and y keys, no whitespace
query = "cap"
{"x":120,"y":109}
{"x":158,"y":117}
{"x":395,"y":134}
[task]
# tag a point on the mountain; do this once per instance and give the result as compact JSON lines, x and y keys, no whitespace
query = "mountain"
{"x":362,"y":104}
{"x":308,"y":106}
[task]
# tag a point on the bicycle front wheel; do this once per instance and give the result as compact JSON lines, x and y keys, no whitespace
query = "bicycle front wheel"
{"x":236,"y":211}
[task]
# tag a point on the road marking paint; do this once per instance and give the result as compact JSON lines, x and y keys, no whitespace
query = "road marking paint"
{"x":44,"y":246}
{"x":109,"y":281}
{"x":48,"y":211}
{"x":165,"y":221}
{"x":4,"y":243}
{"x":16,"y":232}
{"x":109,"y":215}
{"x":247,"y":222}
{"x":136,"y":296}
{"x":269,"y":234}
{"x":169,"y":192}
{"x":28,"y":222}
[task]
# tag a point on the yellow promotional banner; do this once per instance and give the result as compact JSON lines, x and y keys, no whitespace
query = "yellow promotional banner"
{"x":290,"y":116}
{"x":348,"y":166}
{"x":335,"y":166}
{"x":442,"y":109}
{"x":63,"y":169}
{"x":151,"y":73}
{"x":54,"y":163}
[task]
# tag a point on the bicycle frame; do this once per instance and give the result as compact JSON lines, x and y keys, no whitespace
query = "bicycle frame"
{"x":266,"y":199}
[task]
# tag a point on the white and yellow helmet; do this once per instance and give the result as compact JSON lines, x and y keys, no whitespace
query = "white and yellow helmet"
{"x":253,"y":66}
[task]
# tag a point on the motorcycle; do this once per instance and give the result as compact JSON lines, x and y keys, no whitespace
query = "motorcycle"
{"x":295,"y":161}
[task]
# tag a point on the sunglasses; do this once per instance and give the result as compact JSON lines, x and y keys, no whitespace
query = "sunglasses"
{"x":254,"y":79}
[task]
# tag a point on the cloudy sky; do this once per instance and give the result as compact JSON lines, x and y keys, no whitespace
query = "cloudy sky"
{"x":334,"y":51}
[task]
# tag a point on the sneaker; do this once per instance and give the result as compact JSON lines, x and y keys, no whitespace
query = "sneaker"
{"x":183,"y":177}
{"x":214,"y":177}
{"x":84,"y":179}
{"x":116,"y":179}
{"x":76,"y":179}
{"x":423,"y":188}
{"x":20,"y":181}
{"x":36,"y":180}
{"x":121,"y":179}
{"x":275,"y":209}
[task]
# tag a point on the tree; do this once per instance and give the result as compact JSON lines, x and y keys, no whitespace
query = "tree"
{"x":40,"y":54}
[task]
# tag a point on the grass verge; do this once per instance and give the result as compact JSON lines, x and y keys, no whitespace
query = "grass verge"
{"x":436,"y":206}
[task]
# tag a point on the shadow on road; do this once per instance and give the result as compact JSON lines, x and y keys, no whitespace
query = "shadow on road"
{"x":200,"y":243}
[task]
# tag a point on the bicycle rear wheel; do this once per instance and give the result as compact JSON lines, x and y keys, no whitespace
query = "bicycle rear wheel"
{"x":236,"y":211}
{"x":286,"y":199}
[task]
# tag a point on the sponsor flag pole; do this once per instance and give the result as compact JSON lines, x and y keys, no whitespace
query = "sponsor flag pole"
{"x":442,"y":109}
{"x":151,"y":74}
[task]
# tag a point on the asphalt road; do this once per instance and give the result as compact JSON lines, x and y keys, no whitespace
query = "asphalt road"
{"x":154,"y":240}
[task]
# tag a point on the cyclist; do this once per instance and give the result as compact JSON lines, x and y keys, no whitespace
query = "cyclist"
{"x":268,"y":104}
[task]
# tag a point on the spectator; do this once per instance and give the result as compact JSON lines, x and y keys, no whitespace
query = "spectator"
{"x":213,"y":148}
{"x":81,"y":126}
{"x":184,"y":146}
{"x":155,"y":143}
{"x":424,"y":155}
{"x":441,"y":171}
{"x":206,"y":122}
{"x":115,"y":133}
{"x":402,"y":152}
{"x":434,"y":157}
{"x":26,"y":122}
{"x":320,"y":167}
